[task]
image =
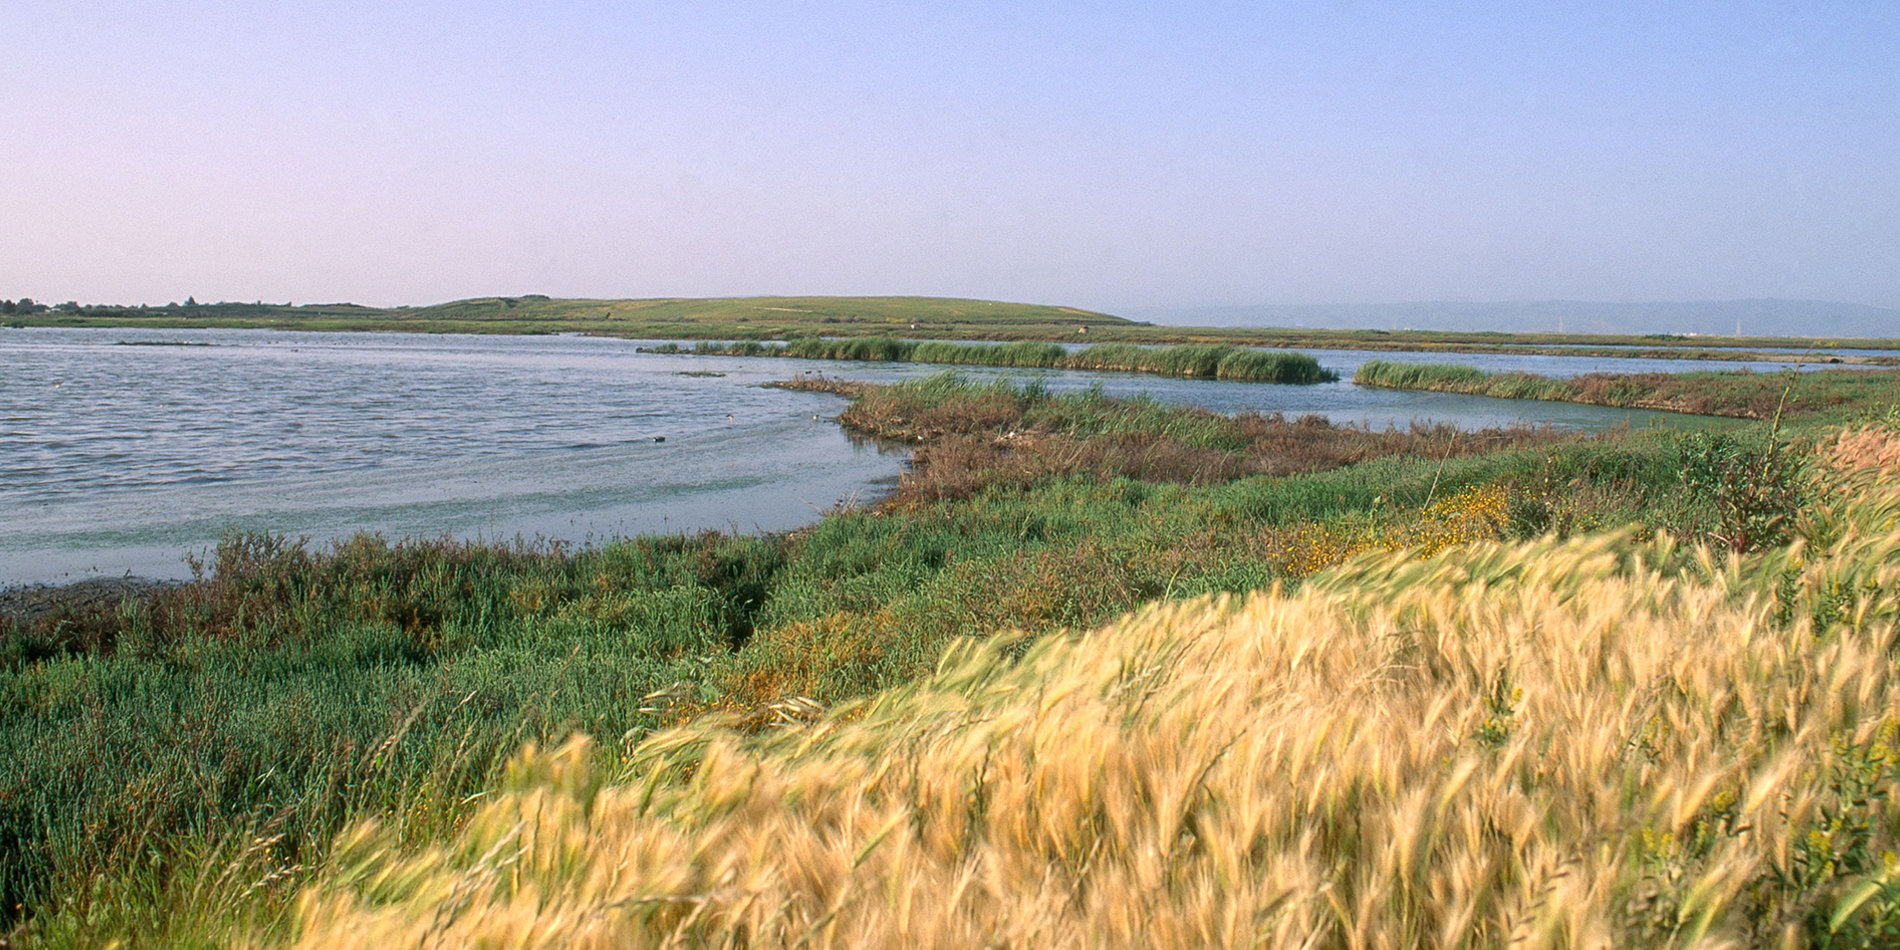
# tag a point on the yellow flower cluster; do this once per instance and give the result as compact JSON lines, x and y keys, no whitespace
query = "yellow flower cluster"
{"x":1475,"y":514}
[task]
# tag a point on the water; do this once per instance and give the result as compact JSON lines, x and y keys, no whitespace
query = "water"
{"x":1345,"y":362}
{"x":1341,"y":402}
{"x":123,"y":458}
{"x":1817,"y":356}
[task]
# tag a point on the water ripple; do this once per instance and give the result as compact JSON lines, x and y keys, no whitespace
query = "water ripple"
{"x":117,"y":458}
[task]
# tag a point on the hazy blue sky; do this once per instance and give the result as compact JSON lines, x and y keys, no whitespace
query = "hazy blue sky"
{"x":1116,"y":156}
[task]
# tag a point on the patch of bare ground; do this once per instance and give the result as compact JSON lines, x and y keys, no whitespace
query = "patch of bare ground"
{"x":80,"y":615}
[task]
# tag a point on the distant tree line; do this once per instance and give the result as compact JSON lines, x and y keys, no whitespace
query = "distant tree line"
{"x":22,"y":305}
{"x":27,"y":305}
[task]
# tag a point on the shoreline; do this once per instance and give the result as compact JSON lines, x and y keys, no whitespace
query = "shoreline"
{"x":27,"y":604}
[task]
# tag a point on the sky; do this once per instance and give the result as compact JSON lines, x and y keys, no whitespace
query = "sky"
{"x":1114,"y":156}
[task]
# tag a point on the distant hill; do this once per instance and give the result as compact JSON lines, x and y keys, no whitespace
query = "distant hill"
{"x":1805,"y":318}
{"x":749,"y":318}
{"x":1435,"y":326}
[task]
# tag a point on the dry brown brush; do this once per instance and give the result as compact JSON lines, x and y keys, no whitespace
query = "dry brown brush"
{"x":969,"y":437}
{"x":1869,"y":447}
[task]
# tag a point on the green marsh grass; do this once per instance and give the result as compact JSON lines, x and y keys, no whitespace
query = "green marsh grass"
{"x":1837,"y":395}
{"x":1194,"y":361}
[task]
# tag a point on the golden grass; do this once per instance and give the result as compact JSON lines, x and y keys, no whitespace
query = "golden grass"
{"x":1594,"y":742}
{"x":1867,"y":447}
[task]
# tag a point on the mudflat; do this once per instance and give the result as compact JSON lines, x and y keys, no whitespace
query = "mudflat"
{"x":28,"y":604}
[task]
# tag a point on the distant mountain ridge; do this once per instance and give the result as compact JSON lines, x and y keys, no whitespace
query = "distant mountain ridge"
{"x":1765,"y":317}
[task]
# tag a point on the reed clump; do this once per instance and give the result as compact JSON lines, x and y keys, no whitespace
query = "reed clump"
{"x":1022,"y":355}
{"x":1602,"y":741}
{"x":1192,"y":361}
{"x":1740,"y":394}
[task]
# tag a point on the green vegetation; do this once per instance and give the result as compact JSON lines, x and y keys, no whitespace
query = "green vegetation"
{"x":973,"y":438}
{"x":1196,"y":361}
{"x":1740,"y":394}
{"x":1021,"y":355}
{"x":177,"y":768}
{"x":23,"y":306}
{"x":753,"y":318}
{"x":930,"y":318}
{"x":1605,"y":741}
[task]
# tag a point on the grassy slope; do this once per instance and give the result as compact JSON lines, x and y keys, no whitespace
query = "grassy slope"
{"x":1606,"y":741}
{"x":778,"y":318}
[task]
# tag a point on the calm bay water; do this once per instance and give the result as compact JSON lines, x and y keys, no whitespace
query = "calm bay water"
{"x":118,"y":458}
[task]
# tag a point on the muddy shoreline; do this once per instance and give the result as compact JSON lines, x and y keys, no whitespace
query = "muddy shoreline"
{"x":28,"y":604}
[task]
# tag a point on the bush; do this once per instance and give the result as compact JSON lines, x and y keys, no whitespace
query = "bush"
{"x":1751,"y":487}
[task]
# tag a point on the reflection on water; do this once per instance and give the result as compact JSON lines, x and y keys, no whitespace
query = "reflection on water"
{"x":117,"y":458}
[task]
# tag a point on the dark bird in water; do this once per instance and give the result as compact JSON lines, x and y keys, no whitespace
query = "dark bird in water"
{"x":659,"y":438}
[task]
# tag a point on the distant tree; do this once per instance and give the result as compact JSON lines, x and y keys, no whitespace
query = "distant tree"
{"x":8,"y":306}
{"x":26,"y":305}
{"x":191,"y":301}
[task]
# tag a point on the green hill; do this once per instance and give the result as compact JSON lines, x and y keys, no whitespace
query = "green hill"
{"x":664,"y":317}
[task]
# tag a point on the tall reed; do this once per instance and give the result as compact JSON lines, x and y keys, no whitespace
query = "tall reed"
{"x":1193,"y":361}
{"x":1840,"y":394}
